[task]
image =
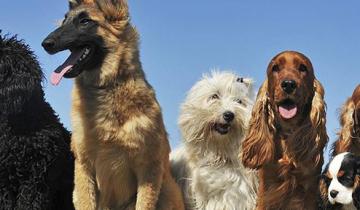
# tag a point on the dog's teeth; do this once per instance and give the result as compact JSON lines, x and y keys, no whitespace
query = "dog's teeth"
{"x":85,"y":54}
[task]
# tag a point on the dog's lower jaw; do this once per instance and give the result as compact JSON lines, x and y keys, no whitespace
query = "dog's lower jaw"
{"x":222,"y":128}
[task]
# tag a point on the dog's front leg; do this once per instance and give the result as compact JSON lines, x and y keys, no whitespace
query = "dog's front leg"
{"x":84,"y":196}
{"x":149,"y":177}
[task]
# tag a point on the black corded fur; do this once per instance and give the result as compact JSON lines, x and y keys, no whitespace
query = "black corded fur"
{"x":36,"y":165}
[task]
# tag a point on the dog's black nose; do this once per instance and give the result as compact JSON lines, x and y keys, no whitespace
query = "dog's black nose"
{"x":288,"y":86}
{"x":333,"y":193}
{"x":228,"y":116}
{"x":48,"y":44}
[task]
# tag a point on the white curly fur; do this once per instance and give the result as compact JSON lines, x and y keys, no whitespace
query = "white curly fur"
{"x":207,"y":166}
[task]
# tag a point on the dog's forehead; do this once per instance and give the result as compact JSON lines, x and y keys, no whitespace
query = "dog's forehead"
{"x":83,"y":10}
{"x":336,"y":164}
{"x":291,"y":58}
{"x":227,"y":84}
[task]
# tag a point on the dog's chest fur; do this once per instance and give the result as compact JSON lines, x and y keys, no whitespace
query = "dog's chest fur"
{"x":222,"y":187}
{"x":109,"y":134}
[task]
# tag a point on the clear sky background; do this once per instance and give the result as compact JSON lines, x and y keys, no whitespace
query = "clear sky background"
{"x":181,"y":40}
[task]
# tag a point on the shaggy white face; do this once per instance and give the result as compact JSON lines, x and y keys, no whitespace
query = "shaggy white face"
{"x":217,"y":108}
{"x":342,"y":181}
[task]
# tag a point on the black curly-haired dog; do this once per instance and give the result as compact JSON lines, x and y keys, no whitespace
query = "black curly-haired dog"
{"x":36,"y":165}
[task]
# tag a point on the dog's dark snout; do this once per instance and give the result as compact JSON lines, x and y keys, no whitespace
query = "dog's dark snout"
{"x":48,"y":44}
{"x":288,"y":86}
{"x":333,"y":193}
{"x":228,"y":116}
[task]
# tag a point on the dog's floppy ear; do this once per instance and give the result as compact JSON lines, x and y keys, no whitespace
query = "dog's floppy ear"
{"x":356,"y":198}
{"x":356,"y":193}
{"x":318,"y":115}
{"x":356,"y":99}
{"x":114,"y":10}
{"x":258,"y":147}
{"x":357,"y":160}
{"x":344,"y":142}
{"x":323,"y":189}
{"x":349,"y":124}
{"x":75,"y":3}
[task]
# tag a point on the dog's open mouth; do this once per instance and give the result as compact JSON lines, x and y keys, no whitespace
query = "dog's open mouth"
{"x":222,"y":128}
{"x":73,"y":64}
{"x":288,"y":109}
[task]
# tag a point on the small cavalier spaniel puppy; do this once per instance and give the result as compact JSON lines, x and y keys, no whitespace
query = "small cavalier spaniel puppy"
{"x":213,"y":121}
{"x":287,"y":134}
{"x":349,"y":136}
{"x":340,"y":183}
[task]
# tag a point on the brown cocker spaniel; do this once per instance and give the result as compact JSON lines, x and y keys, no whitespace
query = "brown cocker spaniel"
{"x":287,"y":134}
{"x":349,"y":135}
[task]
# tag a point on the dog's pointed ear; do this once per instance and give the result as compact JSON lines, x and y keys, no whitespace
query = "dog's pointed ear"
{"x":318,"y":114}
{"x":258,"y":147}
{"x":75,"y":3}
{"x":114,"y":10}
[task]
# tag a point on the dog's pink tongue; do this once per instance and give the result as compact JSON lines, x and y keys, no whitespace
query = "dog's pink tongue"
{"x":59,"y":72}
{"x":287,"y":113}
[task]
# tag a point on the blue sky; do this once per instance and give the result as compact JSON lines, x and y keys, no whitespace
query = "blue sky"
{"x":181,"y":40}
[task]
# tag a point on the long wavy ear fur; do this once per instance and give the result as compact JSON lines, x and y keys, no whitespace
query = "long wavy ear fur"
{"x":309,"y":140}
{"x":344,"y":141}
{"x":258,"y":147}
{"x":318,"y":115}
{"x":323,"y":191}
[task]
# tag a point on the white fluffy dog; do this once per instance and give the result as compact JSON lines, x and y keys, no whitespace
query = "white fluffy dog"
{"x":213,"y":121}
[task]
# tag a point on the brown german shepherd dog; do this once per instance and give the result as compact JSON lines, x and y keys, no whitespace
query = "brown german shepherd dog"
{"x":119,"y":139}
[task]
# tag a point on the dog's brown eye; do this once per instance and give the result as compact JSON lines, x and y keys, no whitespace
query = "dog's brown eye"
{"x":239,"y":101}
{"x":341,"y":173}
{"x":214,"y":97}
{"x":275,"y":68}
{"x":303,"y":68}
